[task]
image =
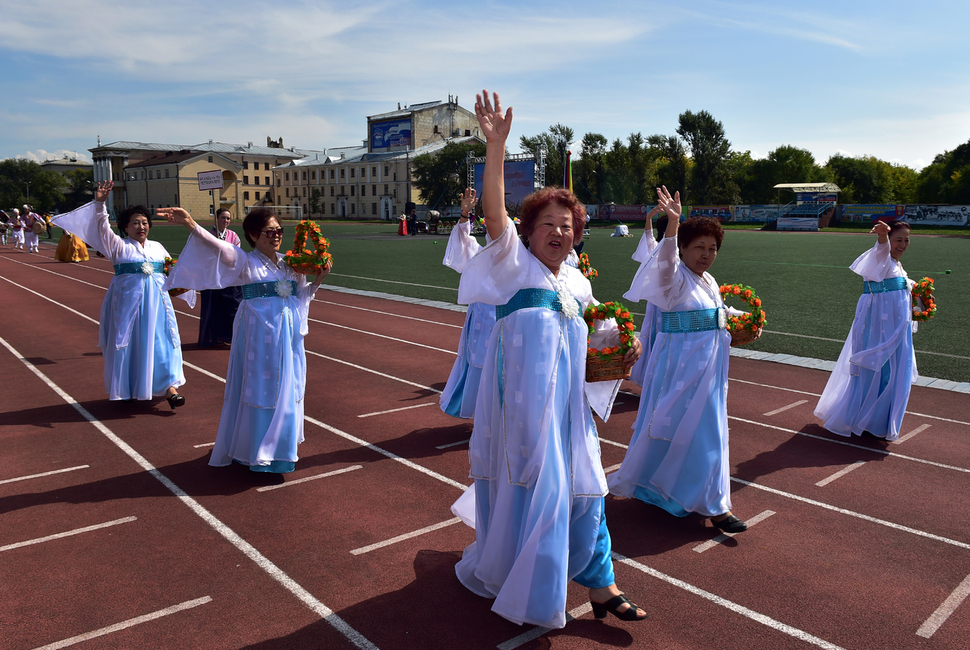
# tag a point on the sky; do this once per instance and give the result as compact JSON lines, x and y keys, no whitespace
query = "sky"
{"x":887,"y":79}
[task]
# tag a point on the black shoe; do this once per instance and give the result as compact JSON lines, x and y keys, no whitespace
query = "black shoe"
{"x":730,"y":524}
{"x":600,"y":610}
{"x":175,"y":401}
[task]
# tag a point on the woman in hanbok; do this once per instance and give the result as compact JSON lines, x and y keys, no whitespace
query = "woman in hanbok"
{"x":461,"y":391}
{"x":262,"y":413}
{"x":218,"y":306}
{"x":537,"y":502}
{"x":651,"y":319}
{"x":70,"y":249}
{"x":139,"y":334}
{"x":678,"y":455}
{"x":17,"y":226}
{"x":869,"y":388}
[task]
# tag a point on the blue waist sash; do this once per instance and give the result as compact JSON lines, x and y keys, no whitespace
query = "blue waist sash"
{"x":525,"y":298}
{"x":889,"y":284}
{"x":138,"y":267}
{"x":685,"y":322}
{"x":264,"y":290}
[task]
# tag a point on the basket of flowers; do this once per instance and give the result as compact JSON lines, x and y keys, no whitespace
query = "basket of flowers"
{"x":309,"y":254}
{"x":606,"y":364}
{"x":744,"y":328}
{"x":924,"y":304}
{"x":169,"y":264}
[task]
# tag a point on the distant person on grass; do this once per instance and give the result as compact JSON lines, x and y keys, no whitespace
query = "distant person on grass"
{"x":869,"y":387}
{"x":218,"y":306}
{"x":678,"y":455}
{"x":461,"y":392}
{"x":139,"y":334}
{"x":537,"y":502}
{"x":261,"y":424}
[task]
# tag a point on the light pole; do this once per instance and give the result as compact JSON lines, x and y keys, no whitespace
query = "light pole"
{"x":28,"y":190}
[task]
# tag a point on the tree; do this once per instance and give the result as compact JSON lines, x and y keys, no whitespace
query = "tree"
{"x":17,"y":175}
{"x":315,"y":197}
{"x":863,"y":179}
{"x":947,"y":179}
{"x":709,"y":149}
{"x":79,"y":189}
{"x":556,"y":140}
{"x":673,"y":167}
{"x":589,"y":171}
{"x":440,"y":177}
{"x":786,"y":164}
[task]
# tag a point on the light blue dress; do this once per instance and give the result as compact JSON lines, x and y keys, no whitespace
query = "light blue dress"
{"x":534,"y":453}
{"x":461,"y":391}
{"x":138,"y":334}
{"x":869,"y":388}
{"x":678,"y":455}
{"x":651,"y":319}
{"x":262,"y":414}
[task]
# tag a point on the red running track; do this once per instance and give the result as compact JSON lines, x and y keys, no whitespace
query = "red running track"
{"x":115,"y":533}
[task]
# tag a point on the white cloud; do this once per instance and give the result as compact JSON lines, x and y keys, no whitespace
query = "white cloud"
{"x":41,"y":156}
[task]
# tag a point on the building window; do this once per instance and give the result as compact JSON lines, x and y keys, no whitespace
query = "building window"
{"x":256,"y":179}
{"x":373,"y":172}
{"x":166,"y":173}
{"x":245,"y":164}
{"x":331,"y":190}
{"x":353,"y":171}
{"x":304,"y":191}
{"x":373,"y":208}
{"x":267,"y":180}
{"x":257,"y":196}
{"x":385,"y":190}
{"x":395,"y":192}
{"x":287,"y":192}
{"x":373,"y":190}
{"x":246,"y":180}
{"x":386,"y":170}
{"x":333,"y":210}
{"x":210,"y":160}
{"x":313,"y":175}
{"x":331,"y":174}
{"x":395,"y":177}
{"x":304,"y":175}
{"x":342,"y":170}
{"x":245,"y":196}
{"x":363,"y":190}
{"x":286,"y":176}
{"x":352,"y":208}
{"x":352,"y":188}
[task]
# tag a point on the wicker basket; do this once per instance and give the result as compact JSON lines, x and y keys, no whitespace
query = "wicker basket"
{"x":743,"y":337}
{"x":307,"y":269}
{"x":609,"y":369}
{"x":177,"y":292}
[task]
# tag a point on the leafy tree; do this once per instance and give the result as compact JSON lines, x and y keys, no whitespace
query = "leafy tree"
{"x":79,"y":189}
{"x":786,"y":164}
{"x":589,"y":171}
{"x":863,"y":179}
{"x":556,"y":140}
{"x":45,"y":187}
{"x":315,"y":198}
{"x":673,"y":166}
{"x":440,"y":178}
{"x":709,"y":149}
{"x":947,"y":179}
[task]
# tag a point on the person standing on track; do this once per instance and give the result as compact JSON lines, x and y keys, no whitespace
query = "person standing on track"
{"x":461,"y":392}
{"x":262,"y":414}
{"x":139,"y":334}
{"x":219,"y":305}
{"x":17,"y":225}
{"x":869,"y":388}
{"x":678,"y":455}
{"x":539,"y":485}
{"x":30,"y":218}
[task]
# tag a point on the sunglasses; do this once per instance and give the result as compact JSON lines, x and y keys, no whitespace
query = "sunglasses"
{"x":273,"y":232}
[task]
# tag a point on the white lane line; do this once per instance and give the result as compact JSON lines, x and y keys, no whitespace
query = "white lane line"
{"x":387,"y":313}
{"x":805,"y":392}
{"x":43,"y":474}
{"x":410,"y":284}
{"x":785,"y":408}
{"x":801,"y":635}
{"x":452,"y":444}
{"x":615,"y":444}
{"x":938,"y":618}
{"x":405,"y":536}
{"x":857,"y":515}
{"x":919,"y":429}
{"x":842,"y":472}
{"x":73,"y":311}
{"x":536,"y":632}
{"x":819,"y":338}
{"x":218,"y":526}
{"x":68,"y":277}
{"x":267,"y":488}
{"x":723,"y":537}
{"x":374,"y":372}
{"x":208,"y":444}
{"x":403,"y":408}
{"x":383,"y":336}
{"x":69,"y":533}
{"x":131,"y":622}
{"x":612,"y":468}
{"x":872,"y":450}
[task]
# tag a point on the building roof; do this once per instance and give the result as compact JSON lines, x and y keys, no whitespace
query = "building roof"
{"x":210,"y":146}
{"x":404,"y":112}
{"x":360,"y":155}
{"x":176,"y":157}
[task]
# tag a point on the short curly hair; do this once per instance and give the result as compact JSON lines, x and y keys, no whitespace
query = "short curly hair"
{"x":254,"y":223}
{"x":538,"y":201}
{"x":699,"y":227}
{"x":126,"y":215}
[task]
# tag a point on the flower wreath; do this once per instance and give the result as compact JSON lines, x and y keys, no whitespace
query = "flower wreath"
{"x":586,"y":267}
{"x":304,"y":260}
{"x":751,"y":321}
{"x":624,"y":323}
{"x":169,"y":264}
{"x":924,"y":306}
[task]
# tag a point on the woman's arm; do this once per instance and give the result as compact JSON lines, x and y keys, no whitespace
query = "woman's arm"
{"x":670,"y":205}
{"x":495,"y":127}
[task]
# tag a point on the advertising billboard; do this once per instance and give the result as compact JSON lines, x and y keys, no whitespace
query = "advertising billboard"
{"x":390,"y":133}
{"x":520,"y":180}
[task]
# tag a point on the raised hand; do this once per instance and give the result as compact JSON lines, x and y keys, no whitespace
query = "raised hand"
{"x":880,"y":228}
{"x":103,"y":191}
{"x":176,"y":216}
{"x":669,"y":204}
{"x":468,"y":201}
{"x":495,"y":126}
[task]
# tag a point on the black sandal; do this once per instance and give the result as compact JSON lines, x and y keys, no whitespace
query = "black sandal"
{"x":175,"y":401}
{"x":730,"y":524}
{"x":612,"y":606}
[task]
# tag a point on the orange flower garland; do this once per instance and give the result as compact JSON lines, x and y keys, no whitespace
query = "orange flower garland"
{"x":169,"y":263}
{"x":624,"y":323}
{"x":924,"y":306}
{"x":752,"y":321}
{"x":586,"y":267}
{"x":304,"y":260}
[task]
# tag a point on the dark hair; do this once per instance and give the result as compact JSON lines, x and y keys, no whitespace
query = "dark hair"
{"x":897,"y":225}
{"x":538,"y":201}
{"x":662,"y":226}
{"x":221,"y":210}
{"x":254,"y":223}
{"x":124,"y":218}
{"x":700,"y":227}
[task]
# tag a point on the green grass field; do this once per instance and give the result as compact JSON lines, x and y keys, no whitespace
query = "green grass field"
{"x":808,"y":291}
